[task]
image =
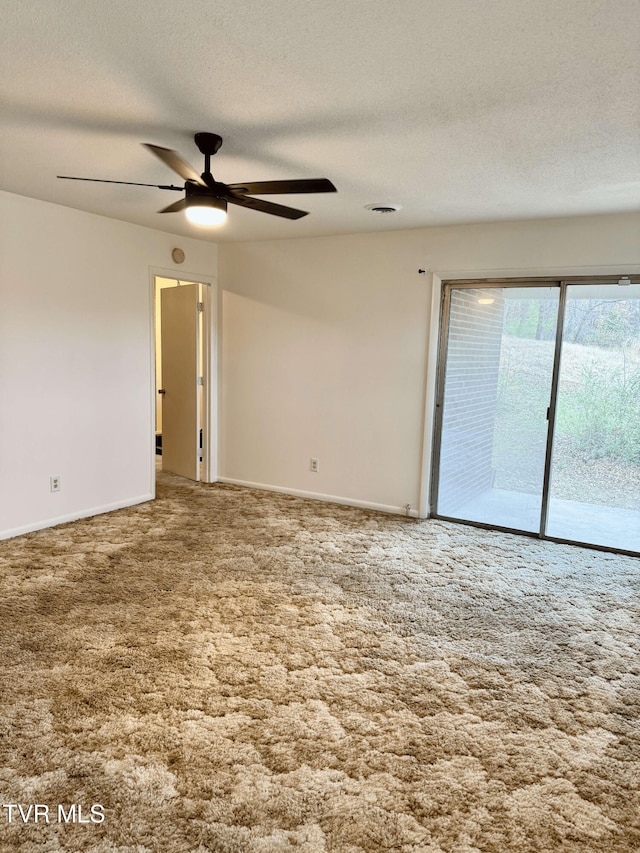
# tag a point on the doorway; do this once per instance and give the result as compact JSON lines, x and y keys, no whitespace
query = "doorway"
{"x":184,"y":375}
{"x":538,"y":410}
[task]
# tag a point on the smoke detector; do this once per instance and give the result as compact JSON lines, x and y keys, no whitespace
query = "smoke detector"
{"x":382,"y":207}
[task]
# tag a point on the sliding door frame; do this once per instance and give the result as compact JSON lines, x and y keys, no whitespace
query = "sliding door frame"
{"x":443,"y":340}
{"x":553,"y":405}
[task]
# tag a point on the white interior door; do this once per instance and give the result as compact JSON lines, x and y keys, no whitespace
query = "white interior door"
{"x":180,"y":381}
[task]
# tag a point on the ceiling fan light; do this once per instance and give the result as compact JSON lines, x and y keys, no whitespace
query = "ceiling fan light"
{"x":206,"y":210}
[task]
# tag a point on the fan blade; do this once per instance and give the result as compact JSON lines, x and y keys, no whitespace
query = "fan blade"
{"x":174,"y":161}
{"x":305,"y":185}
{"x":128,"y":183}
{"x":175,"y":207}
{"x":267,"y":207}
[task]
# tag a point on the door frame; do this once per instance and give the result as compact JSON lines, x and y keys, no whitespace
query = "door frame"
{"x":434,"y":429}
{"x":210,"y":357}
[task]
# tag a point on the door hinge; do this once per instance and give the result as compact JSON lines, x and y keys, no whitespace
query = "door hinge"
{"x":200,"y":306}
{"x":200,"y":380}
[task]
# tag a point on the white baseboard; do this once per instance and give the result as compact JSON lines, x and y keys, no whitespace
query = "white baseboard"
{"x":73,"y":516}
{"x":316,"y":496}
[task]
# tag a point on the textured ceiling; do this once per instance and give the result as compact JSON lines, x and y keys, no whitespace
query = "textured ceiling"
{"x":459,"y":110}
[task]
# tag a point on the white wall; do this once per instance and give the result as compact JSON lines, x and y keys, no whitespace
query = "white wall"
{"x":75,"y":359}
{"x":325,"y":344}
{"x":323,"y":354}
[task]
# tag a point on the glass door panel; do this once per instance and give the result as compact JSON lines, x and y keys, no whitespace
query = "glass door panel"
{"x":595,"y":474}
{"x":496,"y":393}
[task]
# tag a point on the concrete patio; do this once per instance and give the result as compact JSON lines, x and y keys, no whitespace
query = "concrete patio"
{"x":572,"y":520}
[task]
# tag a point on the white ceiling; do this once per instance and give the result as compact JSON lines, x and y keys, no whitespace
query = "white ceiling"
{"x":459,"y":110}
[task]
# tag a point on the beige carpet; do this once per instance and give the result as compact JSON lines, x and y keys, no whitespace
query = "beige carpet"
{"x":229,"y":670}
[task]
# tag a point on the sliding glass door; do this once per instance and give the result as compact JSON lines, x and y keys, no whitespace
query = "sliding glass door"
{"x":595,"y":474}
{"x":497,"y":387}
{"x":538,"y":426}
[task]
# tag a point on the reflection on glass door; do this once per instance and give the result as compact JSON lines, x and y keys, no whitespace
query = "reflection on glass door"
{"x":498,"y":366}
{"x":595,"y":474}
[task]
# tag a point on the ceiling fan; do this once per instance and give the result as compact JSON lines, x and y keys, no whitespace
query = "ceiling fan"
{"x":205,"y":201}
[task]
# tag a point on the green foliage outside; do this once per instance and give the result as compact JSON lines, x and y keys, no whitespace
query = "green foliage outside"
{"x":602,"y":416}
{"x":599,"y":402}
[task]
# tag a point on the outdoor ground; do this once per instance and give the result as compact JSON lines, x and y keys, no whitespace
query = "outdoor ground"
{"x":592,"y":380}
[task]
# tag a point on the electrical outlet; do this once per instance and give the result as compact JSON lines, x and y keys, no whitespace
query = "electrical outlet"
{"x":314,"y":465}
{"x":54,"y":483}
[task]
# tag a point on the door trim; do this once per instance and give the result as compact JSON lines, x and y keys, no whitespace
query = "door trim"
{"x":433,"y":327}
{"x":209,"y":472}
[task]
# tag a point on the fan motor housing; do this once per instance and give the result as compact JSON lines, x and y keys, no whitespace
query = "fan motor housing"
{"x":217,"y":190}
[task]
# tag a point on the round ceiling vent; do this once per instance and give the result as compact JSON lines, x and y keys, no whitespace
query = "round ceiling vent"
{"x":383,"y":208}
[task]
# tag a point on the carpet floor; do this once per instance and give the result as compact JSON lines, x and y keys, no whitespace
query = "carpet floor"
{"x":231,"y":670}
